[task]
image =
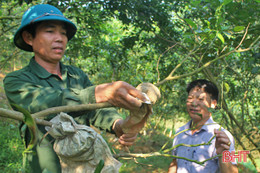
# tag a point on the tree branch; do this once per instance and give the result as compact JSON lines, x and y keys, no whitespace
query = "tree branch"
{"x":76,"y":108}
{"x":243,"y":37}
{"x":9,"y":17}
{"x":20,"y":117}
{"x":54,"y":110}
{"x":168,"y":78}
{"x":135,"y":155}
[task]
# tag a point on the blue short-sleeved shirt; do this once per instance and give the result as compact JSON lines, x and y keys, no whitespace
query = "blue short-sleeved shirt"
{"x":199,"y":153}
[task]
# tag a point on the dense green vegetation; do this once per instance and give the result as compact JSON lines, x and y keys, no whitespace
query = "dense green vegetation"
{"x":12,"y":147}
{"x":168,"y":43}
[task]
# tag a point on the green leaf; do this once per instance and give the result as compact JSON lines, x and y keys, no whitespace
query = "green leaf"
{"x":228,"y":35}
{"x":215,"y":112}
{"x":221,"y":37}
{"x":238,"y":28}
{"x":191,"y":23}
{"x":195,"y":3}
{"x":227,"y":88}
{"x":199,"y":114}
{"x":226,"y":2}
{"x":29,"y":121}
{"x":211,"y":110}
{"x":99,"y":166}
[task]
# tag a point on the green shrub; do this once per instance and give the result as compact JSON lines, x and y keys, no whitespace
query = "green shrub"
{"x":11,"y":145}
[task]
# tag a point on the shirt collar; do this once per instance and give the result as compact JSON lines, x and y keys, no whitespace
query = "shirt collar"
{"x":205,"y":127}
{"x":207,"y":124}
{"x":41,"y":72}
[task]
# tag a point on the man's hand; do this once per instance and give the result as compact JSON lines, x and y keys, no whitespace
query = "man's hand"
{"x":119,"y":94}
{"x":126,"y":130}
{"x":222,"y":141}
{"x":127,"y":139}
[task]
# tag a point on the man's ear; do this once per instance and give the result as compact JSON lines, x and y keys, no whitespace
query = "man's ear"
{"x":213,"y":104}
{"x":27,"y":37}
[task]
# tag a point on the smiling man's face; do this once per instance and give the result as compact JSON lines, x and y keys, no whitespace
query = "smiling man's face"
{"x":198,"y":102}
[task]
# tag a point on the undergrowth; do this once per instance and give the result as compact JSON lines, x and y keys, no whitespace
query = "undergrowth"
{"x":11,"y":147}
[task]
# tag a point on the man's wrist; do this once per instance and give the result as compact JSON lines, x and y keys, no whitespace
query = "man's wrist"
{"x":99,"y":94}
{"x":116,"y":128}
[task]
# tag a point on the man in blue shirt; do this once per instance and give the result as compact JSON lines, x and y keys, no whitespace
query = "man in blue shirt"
{"x":201,"y":129}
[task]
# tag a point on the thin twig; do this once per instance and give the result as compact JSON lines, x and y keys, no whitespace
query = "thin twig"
{"x":157,"y":66}
{"x":135,"y":155}
{"x":168,"y":78}
{"x":243,"y":37}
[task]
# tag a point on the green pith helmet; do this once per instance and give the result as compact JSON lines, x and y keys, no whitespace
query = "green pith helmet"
{"x":37,"y":13}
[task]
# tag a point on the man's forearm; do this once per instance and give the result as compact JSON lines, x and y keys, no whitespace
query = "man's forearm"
{"x":173,"y":166}
{"x":227,"y":167}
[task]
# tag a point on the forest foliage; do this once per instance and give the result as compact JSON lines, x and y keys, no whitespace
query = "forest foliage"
{"x":164,"y":42}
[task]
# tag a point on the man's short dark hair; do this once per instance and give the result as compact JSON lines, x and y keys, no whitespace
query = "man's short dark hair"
{"x":208,"y":87}
{"x":32,"y":28}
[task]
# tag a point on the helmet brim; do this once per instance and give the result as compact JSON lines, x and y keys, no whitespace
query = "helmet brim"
{"x":18,"y":39}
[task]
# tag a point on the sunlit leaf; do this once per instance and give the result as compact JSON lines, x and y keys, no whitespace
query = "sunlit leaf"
{"x":221,"y":37}
{"x":228,"y":35}
{"x":239,"y":28}
{"x":227,"y":88}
